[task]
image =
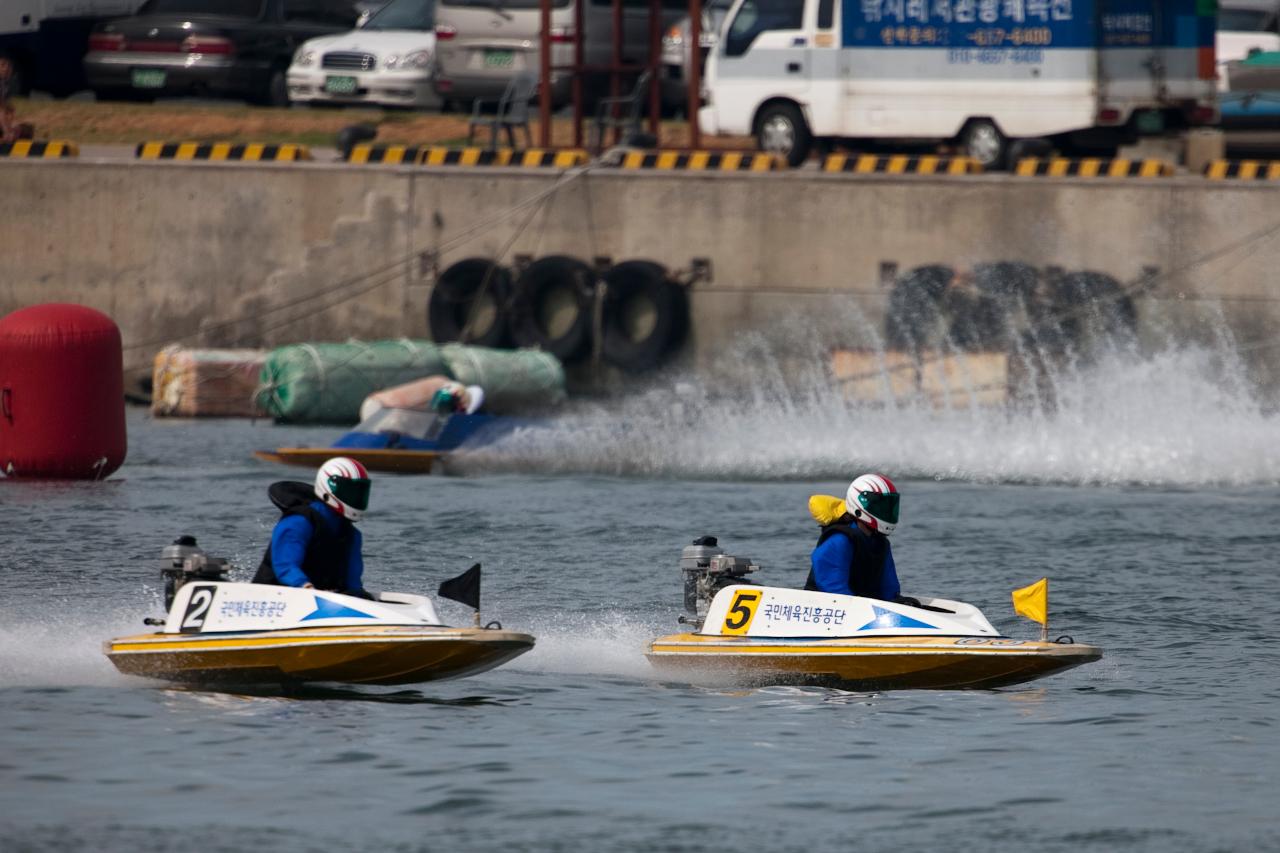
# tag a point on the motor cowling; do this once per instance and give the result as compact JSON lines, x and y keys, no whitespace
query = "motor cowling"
{"x":184,"y":561}
{"x":707,"y":569}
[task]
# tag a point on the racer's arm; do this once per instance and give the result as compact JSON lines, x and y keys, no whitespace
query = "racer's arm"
{"x":890,"y":589}
{"x":830,"y":562}
{"x":289,"y":542}
{"x":355,"y":565}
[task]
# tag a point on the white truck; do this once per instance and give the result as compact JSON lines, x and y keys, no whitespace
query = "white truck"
{"x":45,"y":40}
{"x":1086,"y":74}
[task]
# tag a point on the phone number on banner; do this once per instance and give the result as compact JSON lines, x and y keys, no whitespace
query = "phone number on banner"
{"x":991,"y":56}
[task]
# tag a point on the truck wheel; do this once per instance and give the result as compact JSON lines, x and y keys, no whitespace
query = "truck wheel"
{"x":781,"y":129}
{"x":984,"y":142}
{"x":18,"y":77}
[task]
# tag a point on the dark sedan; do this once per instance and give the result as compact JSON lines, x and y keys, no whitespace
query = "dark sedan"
{"x":222,"y":48}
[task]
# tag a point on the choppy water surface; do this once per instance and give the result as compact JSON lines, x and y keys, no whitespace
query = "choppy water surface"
{"x":1161,"y":545}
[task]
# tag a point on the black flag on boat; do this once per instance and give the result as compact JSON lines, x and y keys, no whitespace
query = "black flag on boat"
{"x":465,"y":588}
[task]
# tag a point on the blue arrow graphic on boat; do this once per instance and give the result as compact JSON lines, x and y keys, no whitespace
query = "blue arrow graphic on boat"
{"x":326,"y":609}
{"x":890,"y":619}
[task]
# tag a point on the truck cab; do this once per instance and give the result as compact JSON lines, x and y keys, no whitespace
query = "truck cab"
{"x":46,"y":39}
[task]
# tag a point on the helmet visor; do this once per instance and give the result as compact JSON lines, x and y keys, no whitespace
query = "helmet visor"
{"x":884,"y":507}
{"x":352,"y":492}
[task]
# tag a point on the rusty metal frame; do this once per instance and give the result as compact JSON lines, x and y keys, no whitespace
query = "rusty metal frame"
{"x":616,"y":68}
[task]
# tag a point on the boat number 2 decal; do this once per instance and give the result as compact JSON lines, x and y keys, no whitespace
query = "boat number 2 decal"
{"x":742,"y":611}
{"x":197,"y":609}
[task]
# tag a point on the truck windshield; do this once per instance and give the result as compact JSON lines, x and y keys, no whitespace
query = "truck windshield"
{"x":1244,"y":20}
{"x":757,"y":16}
{"x":405,"y":15}
{"x":224,"y":8}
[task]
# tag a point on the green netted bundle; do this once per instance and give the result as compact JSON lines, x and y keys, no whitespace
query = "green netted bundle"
{"x":513,"y":380}
{"x":326,"y":383}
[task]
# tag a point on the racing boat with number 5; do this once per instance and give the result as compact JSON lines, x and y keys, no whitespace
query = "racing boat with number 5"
{"x":744,"y":633}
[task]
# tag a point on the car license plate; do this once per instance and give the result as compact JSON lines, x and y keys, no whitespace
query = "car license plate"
{"x":1149,"y":121}
{"x":499,"y":58}
{"x":340,"y":85}
{"x":147,"y":78}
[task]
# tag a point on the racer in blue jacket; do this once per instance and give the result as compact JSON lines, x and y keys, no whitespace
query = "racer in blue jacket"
{"x":853,"y":555}
{"x":316,"y":543}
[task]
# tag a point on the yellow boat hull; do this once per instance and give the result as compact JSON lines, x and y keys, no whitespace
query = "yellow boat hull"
{"x":375,"y":459}
{"x":354,"y":655}
{"x":875,"y":663}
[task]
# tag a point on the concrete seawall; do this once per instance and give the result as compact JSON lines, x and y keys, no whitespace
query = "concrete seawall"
{"x":262,"y":254}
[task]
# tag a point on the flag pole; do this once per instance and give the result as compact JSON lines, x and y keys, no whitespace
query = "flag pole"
{"x":1043,"y":625}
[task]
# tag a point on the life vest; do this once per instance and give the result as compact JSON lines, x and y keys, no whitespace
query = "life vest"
{"x":866,"y":569}
{"x":325,"y":563}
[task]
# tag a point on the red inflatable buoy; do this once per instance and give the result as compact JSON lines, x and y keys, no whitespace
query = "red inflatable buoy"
{"x":61,"y":394}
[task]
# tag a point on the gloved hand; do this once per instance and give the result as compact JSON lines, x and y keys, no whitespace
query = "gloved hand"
{"x":444,"y":401}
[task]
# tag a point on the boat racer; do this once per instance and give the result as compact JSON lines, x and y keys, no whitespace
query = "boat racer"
{"x":853,"y":556}
{"x":315,"y":544}
{"x":454,"y":398}
{"x":438,"y":394}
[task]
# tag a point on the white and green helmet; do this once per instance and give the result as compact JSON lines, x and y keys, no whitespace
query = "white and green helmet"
{"x":343,"y":483}
{"x":873,"y":500}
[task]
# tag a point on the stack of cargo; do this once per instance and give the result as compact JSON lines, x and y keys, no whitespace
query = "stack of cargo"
{"x":217,"y":383}
{"x":326,"y":383}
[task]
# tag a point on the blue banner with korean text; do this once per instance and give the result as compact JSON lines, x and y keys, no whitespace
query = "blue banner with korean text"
{"x":1017,"y":24}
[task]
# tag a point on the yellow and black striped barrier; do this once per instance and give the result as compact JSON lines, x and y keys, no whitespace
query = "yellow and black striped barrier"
{"x":54,"y":148}
{"x":533,"y":157}
{"x":252,"y":151}
{"x":1243,"y":170}
{"x":901,"y":164}
{"x":708,"y":161}
{"x":1093,"y":167}
{"x":391,"y":155}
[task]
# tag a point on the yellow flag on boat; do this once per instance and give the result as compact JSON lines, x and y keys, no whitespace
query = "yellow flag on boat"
{"x":1033,"y":601}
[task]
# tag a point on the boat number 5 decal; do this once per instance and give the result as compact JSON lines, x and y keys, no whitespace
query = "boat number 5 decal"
{"x":197,"y":609}
{"x":742,"y":611}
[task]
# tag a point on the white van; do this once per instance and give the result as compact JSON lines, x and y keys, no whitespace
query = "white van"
{"x":482,"y":44}
{"x":980,"y":72}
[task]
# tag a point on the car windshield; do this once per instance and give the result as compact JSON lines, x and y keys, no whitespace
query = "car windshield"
{"x":410,"y":422}
{"x":404,"y":15}
{"x":1243,"y":20}
{"x":224,"y":8}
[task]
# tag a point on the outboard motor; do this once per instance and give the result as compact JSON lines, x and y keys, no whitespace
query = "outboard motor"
{"x":707,"y":569}
{"x":184,"y":562}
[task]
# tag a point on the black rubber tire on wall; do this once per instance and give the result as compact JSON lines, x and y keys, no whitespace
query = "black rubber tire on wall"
{"x":472,"y":286}
{"x":914,"y":306}
{"x":1095,"y":304}
{"x":551,"y":307}
{"x":645,"y":316}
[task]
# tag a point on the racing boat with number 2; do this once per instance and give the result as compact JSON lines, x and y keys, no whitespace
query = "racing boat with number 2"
{"x":246,"y":633}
